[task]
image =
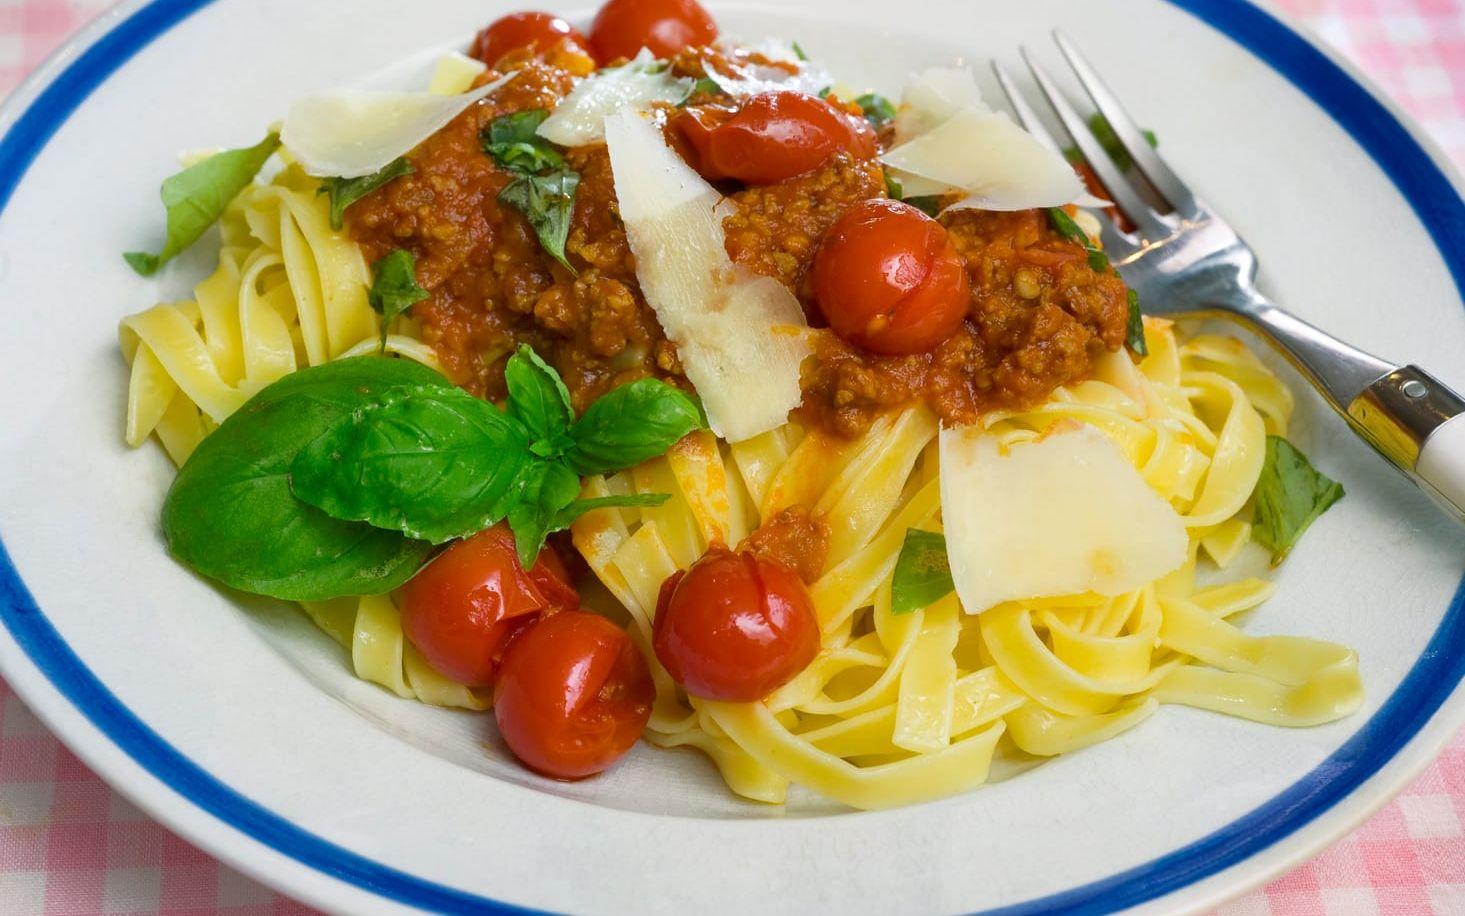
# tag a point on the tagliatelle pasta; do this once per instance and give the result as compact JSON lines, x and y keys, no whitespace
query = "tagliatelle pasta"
{"x":899,"y":708}
{"x":981,"y":514}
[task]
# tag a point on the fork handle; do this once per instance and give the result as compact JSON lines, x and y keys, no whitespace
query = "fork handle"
{"x":1410,"y":417}
{"x":1415,"y":420}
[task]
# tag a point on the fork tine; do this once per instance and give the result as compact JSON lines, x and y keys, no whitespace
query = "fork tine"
{"x":1025,"y":114}
{"x":1151,"y":226}
{"x":1129,"y":133}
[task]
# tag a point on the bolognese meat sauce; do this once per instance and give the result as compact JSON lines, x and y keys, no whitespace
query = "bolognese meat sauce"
{"x":1037,"y":317}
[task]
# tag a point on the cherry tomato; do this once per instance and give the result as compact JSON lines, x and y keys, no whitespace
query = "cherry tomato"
{"x":573,"y":695}
{"x":536,"y":31}
{"x":734,"y":626}
{"x":462,"y":610}
{"x":888,"y":279}
{"x":773,"y":137}
{"x":623,"y":27}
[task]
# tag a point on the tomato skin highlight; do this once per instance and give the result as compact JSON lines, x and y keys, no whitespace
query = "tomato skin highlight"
{"x":464,"y":607}
{"x":623,"y":27}
{"x":536,"y":32}
{"x":888,"y":278}
{"x":573,"y":695}
{"x":773,"y":137}
{"x":735,"y":626}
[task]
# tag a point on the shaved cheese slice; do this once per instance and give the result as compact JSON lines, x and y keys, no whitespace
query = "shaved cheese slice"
{"x":347,"y":133}
{"x":741,"y":337}
{"x":579,"y":120}
{"x":999,"y":165}
{"x":1065,"y":515}
{"x":455,"y":73}
{"x":933,"y":97}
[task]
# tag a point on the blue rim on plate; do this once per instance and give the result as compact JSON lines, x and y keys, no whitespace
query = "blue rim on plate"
{"x":1428,"y":684}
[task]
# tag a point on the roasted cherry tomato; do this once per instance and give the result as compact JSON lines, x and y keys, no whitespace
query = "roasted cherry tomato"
{"x":772,"y":137}
{"x":462,"y":610}
{"x":888,"y":279}
{"x":537,"y":32}
{"x":573,"y":695}
{"x":623,"y":27}
{"x":735,"y":626}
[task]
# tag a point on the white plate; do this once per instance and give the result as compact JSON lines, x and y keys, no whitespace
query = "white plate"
{"x":239,"y":726}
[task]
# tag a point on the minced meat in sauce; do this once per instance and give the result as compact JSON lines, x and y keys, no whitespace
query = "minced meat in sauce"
{"x":1039,"y":313}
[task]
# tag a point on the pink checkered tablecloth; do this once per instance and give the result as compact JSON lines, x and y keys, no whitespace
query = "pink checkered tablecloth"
{"x":69,"y":845}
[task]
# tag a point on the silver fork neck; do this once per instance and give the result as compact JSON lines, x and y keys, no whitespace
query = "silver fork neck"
{"x":1340,"y":371}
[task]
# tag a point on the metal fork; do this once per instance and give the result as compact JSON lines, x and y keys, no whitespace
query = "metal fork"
{"x":1190,"y":263}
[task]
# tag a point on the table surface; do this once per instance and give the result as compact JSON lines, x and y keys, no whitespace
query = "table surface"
{"x":70,"y":845}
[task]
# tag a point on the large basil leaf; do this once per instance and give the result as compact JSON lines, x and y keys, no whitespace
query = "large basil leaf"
{"x":632,"y":424}
{"x":231,"y":515}
{"x":539,"y":399}
{"x":546,"y":490}
{"x":195,"y":198}
{"x":434,"y":463}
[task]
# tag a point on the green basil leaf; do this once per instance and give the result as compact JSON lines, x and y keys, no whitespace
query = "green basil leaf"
{"x":546,"y":489}
{"x":346,"y":191}
{"x":514,"y":143}
{"x":703,"y":87}
{"x":548,"y":202}
{"x":1066,"y":227}
{"x":893,"y":188}
{"x":195,"y":198}
{"x":1103,"y":131}
{"x":230,"y":514}
{"x":1290,"y":495}
{"x":877,"y":108}
{"x":540,"y":401}
{"x":394,"y":287}
{"x":433,"y":463}
{"x":1136,"y":334}
{"x":929,"y":204}
{"x":922,"y":572}
{"x":632,"y":424}
{"x":571,"y":513}
{"x":799,"y":52}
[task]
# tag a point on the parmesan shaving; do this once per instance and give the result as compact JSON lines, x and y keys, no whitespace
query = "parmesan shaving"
{"x":998,"y":165}
{"x":933,"y":97}
{"x":579,"y":120}
{"x":741,"y":337}
{"x":455,"y":73}
{"x":1065,"y":515}
{"x":348,"y":133}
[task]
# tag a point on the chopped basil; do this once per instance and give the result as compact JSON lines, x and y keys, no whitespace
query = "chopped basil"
{"x":893,"y":188}
{"x":195,"y":198}
{"x":346,"y":191}
{"x":799,"y":52}
{"x":877,"y":108}
{"x":704,"y":86}
{"x":1066,"y":227}
{"x":548,"y":202}
{"x":231,"y":514}
{"x":394,"y":288}
{"x":1103,"y":131}
{"x":513,"y":142}
{"x":929,"y":205}
{"x":1290,"y":495}
{"x":922,"y":572}
{"x":1135,"y":336}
